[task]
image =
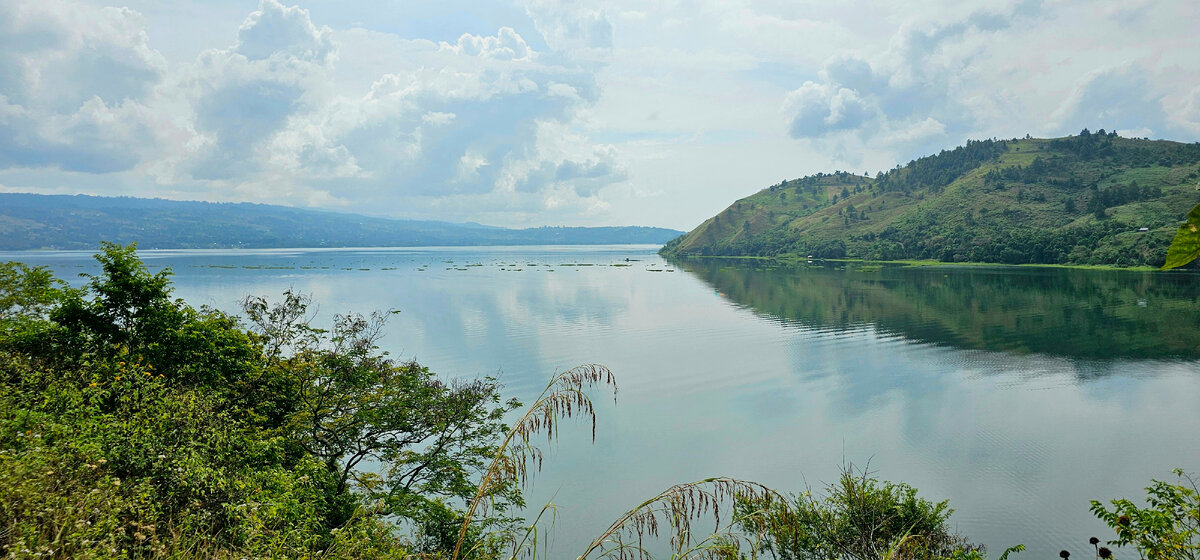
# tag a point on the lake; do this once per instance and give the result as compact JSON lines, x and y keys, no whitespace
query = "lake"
{"x":1016,"y":393}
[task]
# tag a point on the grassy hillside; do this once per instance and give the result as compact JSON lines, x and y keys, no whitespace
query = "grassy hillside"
{"x":1075,"y":200}
{"x":30,"y":221}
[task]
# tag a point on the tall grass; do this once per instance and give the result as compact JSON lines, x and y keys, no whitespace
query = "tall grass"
{"x":677,"y":507}
{"x":671,"y":512}
{"x":565,"y":397}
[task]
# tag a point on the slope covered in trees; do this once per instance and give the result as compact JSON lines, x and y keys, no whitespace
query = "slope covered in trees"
{"x":30,"y":221}
{"x":1094,"y":198}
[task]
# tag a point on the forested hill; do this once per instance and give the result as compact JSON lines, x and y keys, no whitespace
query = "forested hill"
{"x":1095,"y":198}
{"x":30,"y":221}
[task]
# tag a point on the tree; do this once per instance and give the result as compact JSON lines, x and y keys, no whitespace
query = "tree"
{"x":126,"y":309}
{"x":198,"y":434}
{"x":128,"y":305}
{"x":355,"y":404}
{"x":26,"y":292}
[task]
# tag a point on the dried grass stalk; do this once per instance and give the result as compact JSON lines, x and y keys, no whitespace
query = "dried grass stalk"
{"x":563,"y":398}
{"x":676,"y":508}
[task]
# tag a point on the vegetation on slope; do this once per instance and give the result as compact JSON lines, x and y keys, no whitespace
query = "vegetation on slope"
{"x":30,"y":221}
{"x":1087,"y":199}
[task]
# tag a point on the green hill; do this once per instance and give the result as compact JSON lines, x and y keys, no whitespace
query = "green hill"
{"x":1095,"y":198}
{"x":32,"y":221}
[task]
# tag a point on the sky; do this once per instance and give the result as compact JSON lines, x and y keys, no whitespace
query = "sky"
{"x":549,"y":112}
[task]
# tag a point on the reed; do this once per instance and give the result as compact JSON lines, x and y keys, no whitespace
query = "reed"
{"x":565,"y":397}
{"x":672,"y":511}
{"x":677,"y":507}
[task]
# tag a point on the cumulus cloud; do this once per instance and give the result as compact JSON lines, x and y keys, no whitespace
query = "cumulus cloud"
{"x":469,"y":122}
{"x":571,"y":26}
{"x":915,"y":93}
{"x":484,"y":120}
{"x":75,"y":87}
{"x":1188,"y":110}
{"x":701,"y":99}
{"x":278,"y":30}
{"x":506,"y":45}
{"x":245,"y":95}
{"x":566,"y":169}
{"x":818,"y":109}
{"x":471,"y":126}
{"x":1115,"y":98}
{"x":1027,"y":67}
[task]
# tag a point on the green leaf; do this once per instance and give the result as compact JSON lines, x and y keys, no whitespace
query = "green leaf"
{"x":1012,"y":549}
{"x":1186,"y":245}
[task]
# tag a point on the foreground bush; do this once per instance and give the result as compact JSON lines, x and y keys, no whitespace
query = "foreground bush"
{"x":1167,"y":528}
{"x":133,"y":424}
{"x":859,"y":518}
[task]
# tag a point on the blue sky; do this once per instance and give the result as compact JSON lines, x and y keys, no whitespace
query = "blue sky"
{"x":551,"y":112}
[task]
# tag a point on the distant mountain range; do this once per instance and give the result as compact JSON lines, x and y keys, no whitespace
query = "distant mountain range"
{"x":33,"y":221}
{"x":1094,"y":198}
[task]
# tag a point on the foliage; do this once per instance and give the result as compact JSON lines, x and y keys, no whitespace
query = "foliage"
{"x":26,"y":292}
{"x":133,"y":424}
{"x":1186,"y":245}
{"x":353,"y":404}
{"x":940,"y":170}
{"x":860,"y":518}
{"x":1167,"y":528}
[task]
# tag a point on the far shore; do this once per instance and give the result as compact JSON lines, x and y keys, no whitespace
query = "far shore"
{"x":791,"y":258}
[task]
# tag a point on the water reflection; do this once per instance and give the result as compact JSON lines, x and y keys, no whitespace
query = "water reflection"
{"x":1092,"y":315}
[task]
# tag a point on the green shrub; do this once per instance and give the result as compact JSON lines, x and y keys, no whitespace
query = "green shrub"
{"x":1167,"y":528}
{"x":132,"y":424}
{"x":860,"y":518}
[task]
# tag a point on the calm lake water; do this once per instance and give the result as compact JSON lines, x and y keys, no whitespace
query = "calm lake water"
{"x":1017,"y":393}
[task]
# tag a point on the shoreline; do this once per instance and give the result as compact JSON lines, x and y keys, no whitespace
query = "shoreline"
{"x":790,"y":258}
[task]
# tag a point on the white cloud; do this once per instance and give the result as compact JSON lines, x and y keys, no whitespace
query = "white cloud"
{"x":1119,"y":96}
{"x":571,"y":26}
{"x":470,"y":121}
{"x":244,"y":97}
{"x":916,"y":91}
{"x":1187,"y":110}
{"x":76,"y":84}
{"x":276,"y":30}
{"x":1133,"y":98}
{"x":818,"y":109}
{"x":1011,"y":68}
{"x":506,"y":45}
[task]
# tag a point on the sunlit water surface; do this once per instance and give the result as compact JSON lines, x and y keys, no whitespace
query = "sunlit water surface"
{"x":1017,"y":394}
